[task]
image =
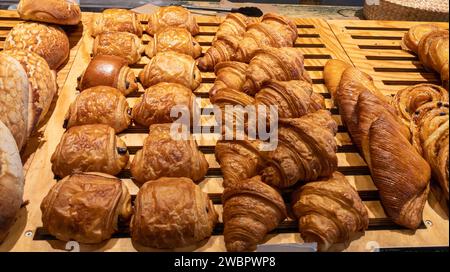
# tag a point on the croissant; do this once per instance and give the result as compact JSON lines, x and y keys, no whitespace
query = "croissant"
{"x":172,"y":16}
{"x":221,"y":50}
{"x":116,"y":20}
{"x":176,"y":39}
{"x":229,"y":74}
{"x":412,"y":38}
{"x":155,"y":106}
{"x":172,"y":213}
{"x":234,"y":24}
{"x":329,"y":211}
{"x":163,"y":156}
{"x":430,"y":129}
{"x":293,"y":98}
{"x":11,"y":181}
{"x":108,"y":70}
{"x":121,"y":44}
{"x":100,"y":105}
{"x":408,"y":100}
{"x":332,"y":74}
{"x":251,"y":209}
{"x":42,"y":83}
{"x":89,"y":148}
{"x":306,"y":150}
{"x":171,"y":67}
{"x":281,"y":64}
{"x":86,"y":207}
{"x":273,"y":31}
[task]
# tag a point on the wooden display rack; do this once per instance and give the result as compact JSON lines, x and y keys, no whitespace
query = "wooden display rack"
{"x":318,"y":43}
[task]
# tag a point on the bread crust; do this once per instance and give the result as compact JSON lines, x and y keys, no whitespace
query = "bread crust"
{"x":61,"y":12}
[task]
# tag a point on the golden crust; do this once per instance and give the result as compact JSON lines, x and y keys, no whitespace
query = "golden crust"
{"x":116,"y":20}
{"x":172,"y":16}
{"x":175,"y":39}
{"x":121,"y":44}
{"x":61,"y":12}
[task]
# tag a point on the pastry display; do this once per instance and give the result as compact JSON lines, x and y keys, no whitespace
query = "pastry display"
{"x":100,"y":105}
{"x":86,"y":207}
{"x":60,"y":12}
{"x":172,"y":16}
{"x":121,"y":44}
{"x":175,"y":39}
{"x":108,"y":70}
{"x":48,"y":41}
{"x":251,"y":209}
{"x":42,"y":80}
{"x":11,"y":181}
{"x":329,"y":211}
{"x":156,"y":104}
{"x":14,"y":99}
{"x":116,"y":20}
{"x":89,"y":148}
{"x":172,"y":213}
{"x":412,"y":38}
{"x":164,"y":156}
{"x":281,"y":64}
{"x":229,"y":74}
{"x":171,"y":67}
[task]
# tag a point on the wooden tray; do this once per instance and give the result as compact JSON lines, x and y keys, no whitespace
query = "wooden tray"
{"x":319,"y":44}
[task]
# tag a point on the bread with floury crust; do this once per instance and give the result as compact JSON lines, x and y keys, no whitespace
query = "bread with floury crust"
{"x":11,"y":181}
{"x":60,"y":12}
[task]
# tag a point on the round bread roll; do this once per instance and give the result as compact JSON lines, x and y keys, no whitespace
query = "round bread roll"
{"x":14,"y":97}
{"x":11,"y":181}
{"x":43,"y":86}
{"x":61,"y":12}
{"x":49,"y":42}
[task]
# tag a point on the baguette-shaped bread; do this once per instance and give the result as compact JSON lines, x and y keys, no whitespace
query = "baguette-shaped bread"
{"x":60,"y":12}
{"x":116,"y":20}
{"x":89,"y":148}
{"x":86,"y":207}
{"x":172,"y":16}
{"x":175,"y":39}
{"x":122,"y":44}
{"x":100,"y":105}
{"x":11,"y":181}
{"x":48,"y":41}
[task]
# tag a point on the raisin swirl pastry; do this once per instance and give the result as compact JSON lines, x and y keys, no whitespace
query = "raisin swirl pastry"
{"x":172,"y":213}
{"x":172,"y":16}
{"x":89,"y":148}
{"x":122,"y":44}
{"x":175,"y":39}
{"x":116,"y":20}
{"x":86,"y":207}
{"x":100,"y":105}
{"x":164,"y":156}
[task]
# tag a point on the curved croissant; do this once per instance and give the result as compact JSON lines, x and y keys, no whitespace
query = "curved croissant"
{"x":251,"y":209}
{"x":222,"y":49}
{"x":229,"y":74}
{"x":234,"y":24}
{"x":293,"y":98}
{"x":172,"y":16}
{"x":176,"y":39}
{"x":306,"y":150}
{"x":122,"y":44}
{"x":273,"y":31}
{"x":329,"y":211}
{"x":274,"y":63}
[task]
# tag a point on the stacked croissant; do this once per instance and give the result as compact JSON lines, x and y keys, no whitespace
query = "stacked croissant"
{"x":33,"y":51}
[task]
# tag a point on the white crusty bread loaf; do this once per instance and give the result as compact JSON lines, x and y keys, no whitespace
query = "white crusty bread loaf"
{"x":11,"y":181}
{"x":61,"y":12}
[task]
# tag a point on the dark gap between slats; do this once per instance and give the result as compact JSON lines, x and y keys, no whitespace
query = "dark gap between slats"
{"x":317,"y":56}
{"x":363,"y":37}
{"x":5,"y":27}
{"x":306,"y":26}
{"x":400,"y":70}
{"x":309,"y":45}
{"x":314,"y":68}
{"x":407,"y":82}
{"x":376,"y":28}
{"x":11,"y":18}
{"x":383,"y":47}
{"x":412,"y":58}
{"x":302,"y":35}
{"x":2,"y":38}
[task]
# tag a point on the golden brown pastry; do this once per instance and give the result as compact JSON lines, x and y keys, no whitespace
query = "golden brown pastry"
{"x":172,"y":213}
{"x":100,"y":105}
{"x":234,"y":24}
{"x":171,"y":67}
{"x":281,"y":64}
{"x":61,"y":12}
{"x":121,"y":44}
{"x":430,"y":130}
{"x":229,"y":74}
{"x":116,"y":20}
{"x":176,"y":39}
{"x":222,"y":49}
{"x":412,"y":38}
{"x":329,"y":211}
{"x":108,"y":70}
{"x":48,"y":41}
{"x":172,"y":16}
{"x":156,"y":104}
{"x":332,"y":74}
{"x":273,"y":31}
{"x":89,"y":148}
{"x":408,"y":100}
{"x":293,"y":98}
{"x":306,"y":150}
{"x":14,"y":99}
{"x":251,"y":209}
{"x":42,"y":80}
{"x":11,"y":181}
{"x":86,"y":207}
{"x":164,"y":156}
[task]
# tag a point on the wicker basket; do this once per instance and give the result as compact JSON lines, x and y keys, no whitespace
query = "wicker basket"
{"x":407,"y":10}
